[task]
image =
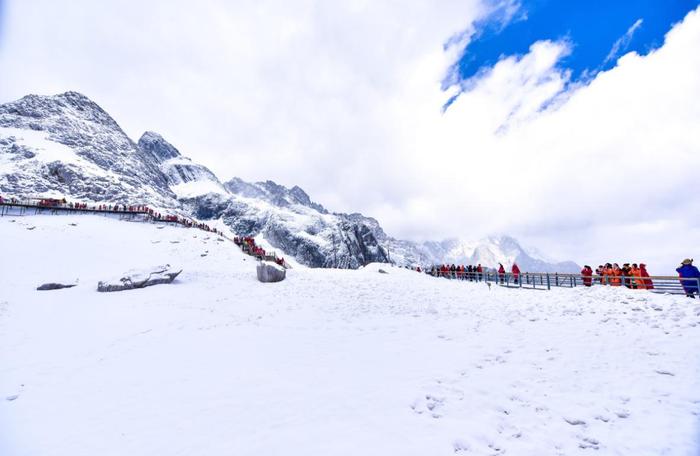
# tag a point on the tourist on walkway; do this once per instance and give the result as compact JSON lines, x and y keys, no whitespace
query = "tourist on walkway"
{"x":616,"y":278}
{"x":516,"y":273}
{"x":586,"y":274}
{"x":688,"y":271}
{"x":648,"y":284}
{"x":637,"y":281}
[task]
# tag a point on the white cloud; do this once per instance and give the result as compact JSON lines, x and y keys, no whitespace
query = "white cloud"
{"x":623,"y":42}
{"x":344,"y":99}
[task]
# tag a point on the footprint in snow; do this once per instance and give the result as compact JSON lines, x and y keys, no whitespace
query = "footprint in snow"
{"x":574,"y":421}
{"x":460,"y":446}
{"x":665,"y":372}
{"x":589,"y":442}
{"x":12,"y":397}
{"x":602,"y":418}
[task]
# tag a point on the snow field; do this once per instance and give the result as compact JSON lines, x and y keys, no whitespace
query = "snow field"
{"x":326,"y":362}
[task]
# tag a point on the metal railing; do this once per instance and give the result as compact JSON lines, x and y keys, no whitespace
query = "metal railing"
{"x":545,"y":281}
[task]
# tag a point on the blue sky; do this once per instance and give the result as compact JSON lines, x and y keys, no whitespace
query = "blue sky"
{"x":592,"y":27}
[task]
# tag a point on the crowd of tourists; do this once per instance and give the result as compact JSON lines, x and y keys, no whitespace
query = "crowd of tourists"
{"x":62,"y":203}
{"x":248,"y":245}
{"x":459,"y":272}
{"x":473,"y":272}
{"x":629,"y":275}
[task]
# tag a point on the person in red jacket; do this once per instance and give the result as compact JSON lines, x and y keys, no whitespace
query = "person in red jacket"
{"x":501,"y":272}
{"x":586,"y":274}
{"x":516,"y":273}
{"x":479,"y":272}
{"x":648,"y":284}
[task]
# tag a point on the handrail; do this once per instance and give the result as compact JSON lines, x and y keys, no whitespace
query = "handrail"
{"x":544,"y":280}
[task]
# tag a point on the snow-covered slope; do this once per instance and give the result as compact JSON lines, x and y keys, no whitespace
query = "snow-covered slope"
{"x":67,"y":146}
{"x":328,"y":361}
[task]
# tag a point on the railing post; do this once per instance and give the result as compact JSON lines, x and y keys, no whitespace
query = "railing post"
{"x":556,"y":279}
{"x":548,"y":286}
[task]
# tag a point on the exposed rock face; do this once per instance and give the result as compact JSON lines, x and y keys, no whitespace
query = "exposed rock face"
{"x":140,"y":279}
{"x":270,"y":272}
{"x":67,"y":146}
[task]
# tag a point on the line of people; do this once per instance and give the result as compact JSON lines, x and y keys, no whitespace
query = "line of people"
{"x":460,"y":272}
{"x":629,"y":275}
{"x":62,"y":203}
{"x":248,"y":245}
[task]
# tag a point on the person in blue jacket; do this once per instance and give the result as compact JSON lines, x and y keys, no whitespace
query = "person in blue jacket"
{"x":688,"y":271}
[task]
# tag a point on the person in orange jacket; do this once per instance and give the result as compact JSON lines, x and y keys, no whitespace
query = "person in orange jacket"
{"x":607,"y":274}
{"x":586,"y":274}
{"x":648,"y":284}
{"x":637,"y":281}
{"x":616,"y":280}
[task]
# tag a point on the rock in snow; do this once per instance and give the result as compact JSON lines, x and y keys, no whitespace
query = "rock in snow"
{"x":54,"y":286}
{"x":140,"y":279}
{"x":270,"y":272}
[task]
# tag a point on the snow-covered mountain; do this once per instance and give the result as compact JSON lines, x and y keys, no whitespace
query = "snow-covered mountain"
{"x":66,"y":145}
{"x":494,"y":250}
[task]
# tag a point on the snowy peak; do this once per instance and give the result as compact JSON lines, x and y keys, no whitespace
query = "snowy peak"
{"x":186,"y":178}
{"x":67,"y":145}
{"x":493,"y":250}
{"x":159,"y":148}
{"x":64,"y":108}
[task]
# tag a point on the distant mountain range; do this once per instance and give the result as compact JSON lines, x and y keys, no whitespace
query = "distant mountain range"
{"x":66,"y":145}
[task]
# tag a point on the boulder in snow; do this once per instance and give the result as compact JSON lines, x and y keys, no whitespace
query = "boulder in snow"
{"x":140,"y":279}
{"x":270,"y":272}
{"x":55,"y":286}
